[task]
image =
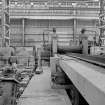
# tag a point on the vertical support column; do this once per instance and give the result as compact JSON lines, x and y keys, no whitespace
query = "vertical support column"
{"x":54,"y":42}
{"x":35,"y":58}
{"x":3,"y":28}
{"x":2,"y":22}
{"x":85,"y":46}
{"x":39,"y":68}
{"x":5,"y":23}
{"x":74,"y":28}
{"x":54,"y":45}
{"x":39,"y":57}
{"x":34,"y":51}
{"x":53,"y":63}
{"x":23,"y":31}
{"x":44,"y":39}
{"x":102,"y":17}
{"x":57,"y":75}
{"x":84,"y":40}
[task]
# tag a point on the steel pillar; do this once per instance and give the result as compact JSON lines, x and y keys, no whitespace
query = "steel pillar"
{"x":101,"y":18}
{"x":39,"y":68}
{"x":74,"y":29}
{"x":5,"y":23}
{"x":23,"y":33}
{"x":54,"y":42}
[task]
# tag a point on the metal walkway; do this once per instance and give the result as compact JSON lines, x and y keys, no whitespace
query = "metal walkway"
{"x":39,"y":92}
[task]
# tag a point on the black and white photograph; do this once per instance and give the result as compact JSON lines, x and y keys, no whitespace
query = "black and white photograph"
{"x":52,"y":52}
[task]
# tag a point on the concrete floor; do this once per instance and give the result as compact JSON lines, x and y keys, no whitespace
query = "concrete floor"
{"x":39,"y":92}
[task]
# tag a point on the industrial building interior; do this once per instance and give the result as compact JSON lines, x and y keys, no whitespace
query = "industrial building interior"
{"x":52,"y":52}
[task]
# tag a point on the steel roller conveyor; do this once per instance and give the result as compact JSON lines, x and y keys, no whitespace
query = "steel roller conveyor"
{"x":97,"y":60}
{"x":89,"y":82}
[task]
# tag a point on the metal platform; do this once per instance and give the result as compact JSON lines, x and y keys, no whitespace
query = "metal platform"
{"x":39,"y":92}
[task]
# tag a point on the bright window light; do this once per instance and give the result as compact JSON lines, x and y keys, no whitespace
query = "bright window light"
{"x":95,"y":0}
{"x":74,"y":4}
{"x":15,"y":3}
{"x":32,"y":3}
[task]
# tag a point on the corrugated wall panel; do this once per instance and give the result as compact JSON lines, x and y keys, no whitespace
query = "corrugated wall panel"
{"x":16,"y":32}
{"x":34,"y":30}
{"x":88,"y":25}
{"x":38,"y":23}
{"x":33,"y":43}
{"x":61,"y":23}
{"x":31,"y":30}
{"x":35,"y":37}
{"x":64,"y":30}
{"x":15,"y":44}
{"x":63,"y":44}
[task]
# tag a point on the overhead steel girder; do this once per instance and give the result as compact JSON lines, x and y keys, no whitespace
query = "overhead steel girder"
{"x":57,"y":0}
{"x":89,"y":82}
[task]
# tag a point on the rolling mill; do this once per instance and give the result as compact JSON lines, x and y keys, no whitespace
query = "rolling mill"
{"x":52,"y":52}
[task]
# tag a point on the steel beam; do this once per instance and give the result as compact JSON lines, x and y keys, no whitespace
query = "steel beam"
{"x":90,"y":83}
